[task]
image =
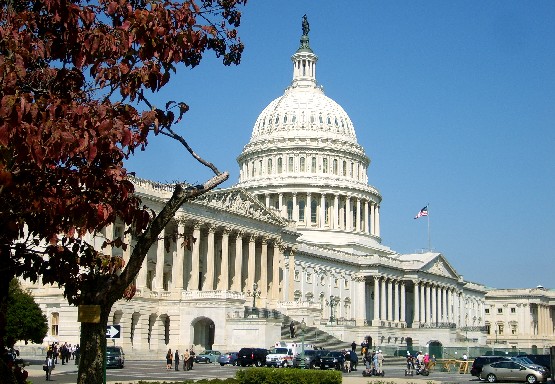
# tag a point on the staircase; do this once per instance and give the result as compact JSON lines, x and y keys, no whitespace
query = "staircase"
{"x":312,"y":335}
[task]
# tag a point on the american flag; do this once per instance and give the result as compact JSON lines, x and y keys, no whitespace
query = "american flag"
{"x":423,"y":212}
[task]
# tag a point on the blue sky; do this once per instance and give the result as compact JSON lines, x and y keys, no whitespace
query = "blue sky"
{"x":453,"y":101}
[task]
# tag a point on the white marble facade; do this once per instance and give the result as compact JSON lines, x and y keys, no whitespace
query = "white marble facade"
{"x":303,"y":224}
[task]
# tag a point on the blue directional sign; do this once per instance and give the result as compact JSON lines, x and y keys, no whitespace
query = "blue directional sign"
{"x":113,"y":331}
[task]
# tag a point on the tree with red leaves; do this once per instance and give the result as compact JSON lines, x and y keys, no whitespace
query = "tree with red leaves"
{"x":75,"y":80}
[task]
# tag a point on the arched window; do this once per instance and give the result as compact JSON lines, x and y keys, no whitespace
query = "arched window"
{"x":321,"y":119}
{"x":313,"y":165}
{"x":252,"y":169}
{"x":313,"y":211}
{"x":290,"y":164}
{"x":325,"y":165}
{"x":270,"y":166}
{"x":280,"y":165}
{"x":260,"y":167}
{"x":344,"y":168}
{"x":302,"y":164}
{"x":335,"y":166}
{"x":302,"y":205}
{"x":285,"y":119}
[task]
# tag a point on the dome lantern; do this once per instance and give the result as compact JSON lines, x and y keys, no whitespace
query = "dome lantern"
{"x":304,"y":61}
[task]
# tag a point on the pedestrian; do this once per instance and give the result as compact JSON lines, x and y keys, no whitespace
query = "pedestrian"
{"x":292,"y":329}
{"x":192,"y":358}
{"x":49,"y":364}
{"x":176,"y":360}
{"x":77,"y":352}
{"x":380,"y":361}
{"x":464,"y":357}
{"x":169,"y":357}
{"x":353,"y":346}
{"x":186,"y":357}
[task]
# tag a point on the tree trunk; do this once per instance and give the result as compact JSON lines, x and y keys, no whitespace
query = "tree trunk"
{"x":92,"y":349}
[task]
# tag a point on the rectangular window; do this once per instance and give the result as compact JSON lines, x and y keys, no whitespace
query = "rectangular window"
{"x":290,"y":167}
{"x":301,"y":210}
{"x":325,"y":166}
{"x":499,"y":311}
{"x":486,"y":310}
{"x":513,"y":310}
{"x":54,"y":320}
{"x":313,"y":165}
{"x":302,"y":164}
{"x":513,"y":329}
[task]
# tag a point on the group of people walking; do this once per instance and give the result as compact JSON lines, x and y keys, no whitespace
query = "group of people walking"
{"x":173,"y":359}
{"x":65,"y":352}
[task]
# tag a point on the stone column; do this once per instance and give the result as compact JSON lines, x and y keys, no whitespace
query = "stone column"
{"x":428,"y":304}
{"x":444,"y":305}
{"x":291,"y":282}
{"x":264,"y":270}
{"x":366,"y":218}
{"x":322,"y":210}
{"x":127,"y":240}
{"x":282,"y":210}
{"x":209,"y":278}
{"x":160,"y":251}
{"x":383,"y":301}
{"x":109,"y":230}
{"x":267,"y":196}
{"x":376,"y":300}
{"x":416,"y":317}
{"x":237,"y":279}
{"x":142,"y":275}
{"x":336,"y":211}
{"x":223,"y":283}
{"x":342,"y":224}
{"x":434,"y":304}
{"x":360,"y":301}
{"x":195,"y":260}
{"x":251,"y":266}
{"x":390,"y":300}
{"x":378,"y":221}
{"x":403,"y":303}
{"x":373,"y":218}
{"x":308,"y":210}
{"x":178,"y":266}
{"x":295,"y":208}
{"x":396,"y":309}
{"x":357,"y":226}
{"x":349,"y":223}
{"x":275,"y":271}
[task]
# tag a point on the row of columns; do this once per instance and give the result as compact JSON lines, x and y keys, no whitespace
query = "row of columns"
{"x":268,"y":285}
{"x":545,"y":321}
{"x":389,"y":300}
{"x":435,"y":303}
{"x":342,"y":211}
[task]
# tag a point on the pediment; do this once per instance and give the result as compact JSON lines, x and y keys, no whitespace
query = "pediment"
{"x":240,"y":202}
{"x":439,"y":266}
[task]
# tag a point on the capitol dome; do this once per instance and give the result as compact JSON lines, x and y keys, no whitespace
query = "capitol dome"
{"x":303,"y":159}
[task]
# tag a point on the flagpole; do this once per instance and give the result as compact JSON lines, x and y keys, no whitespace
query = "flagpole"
{"x":429,"y":238}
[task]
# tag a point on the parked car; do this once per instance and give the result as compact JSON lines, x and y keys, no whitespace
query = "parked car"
{"x":311,"y":358}
{"x":333,"y":359}
{"x":279,"y":357}
{"x":228,"y":358}
{"x":543,"y":360}
{"x":115,"y":358}
{"x":511,"y":371}
{"x":207,"y":357}
{"x":480,"y":361}
{"x":252,"y":356}
{"x":526,"y":361}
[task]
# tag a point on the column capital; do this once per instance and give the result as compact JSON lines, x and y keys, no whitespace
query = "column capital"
{"x":211,"y":228}
{"x":197,"y":225}
{"x":226,"y":231}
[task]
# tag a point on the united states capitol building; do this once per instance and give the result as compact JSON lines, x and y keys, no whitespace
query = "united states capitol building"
{"x":298,"y":238}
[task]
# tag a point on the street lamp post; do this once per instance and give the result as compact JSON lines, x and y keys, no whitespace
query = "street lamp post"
{"x":255,"y":293}
{"x":496,"y":336}
{"x":332,"y":303}
{"x":303,"y":363}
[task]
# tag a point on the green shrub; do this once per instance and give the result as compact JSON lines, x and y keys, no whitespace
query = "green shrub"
{"x":287,"y":376}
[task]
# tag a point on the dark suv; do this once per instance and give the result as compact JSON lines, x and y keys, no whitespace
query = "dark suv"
{"x":115,"y":357}
{"x":252,"y":356}
{"x":480,"y":361}
{"x":311,"y":358}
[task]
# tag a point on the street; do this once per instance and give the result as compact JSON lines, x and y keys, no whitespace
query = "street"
{"x":156,"y":371}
